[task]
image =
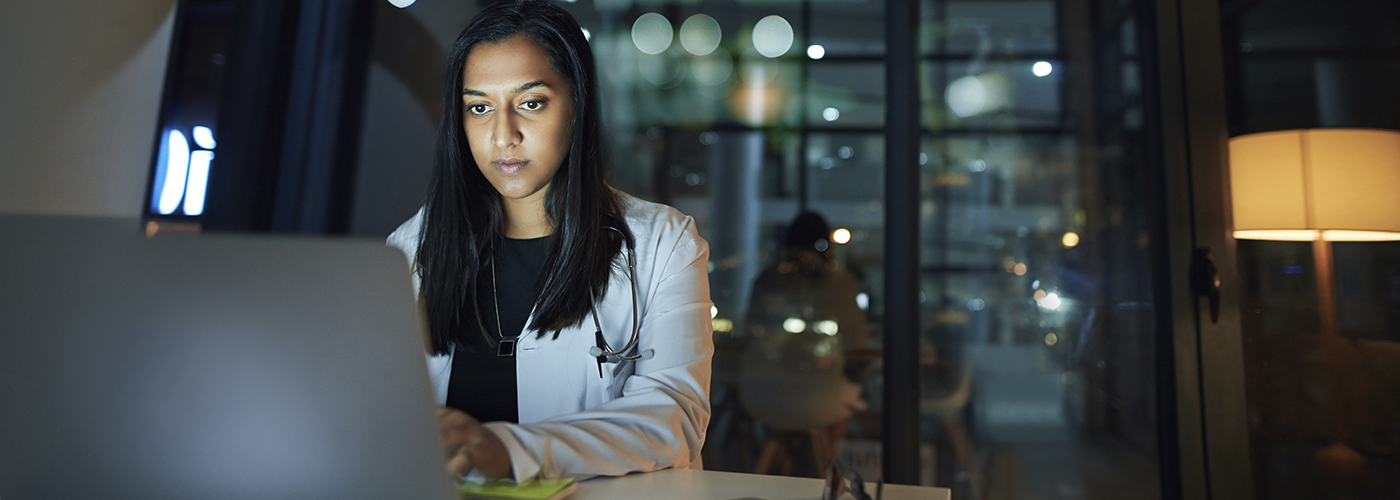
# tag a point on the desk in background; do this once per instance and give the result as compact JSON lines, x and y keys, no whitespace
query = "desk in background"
{"x":687,"y":484}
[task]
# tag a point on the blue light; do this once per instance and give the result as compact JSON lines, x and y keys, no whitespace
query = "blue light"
{"x":1292,"y":269}
{"x":177,"y":155}
{"x":204,"y":137}
{"x":199,"y":177}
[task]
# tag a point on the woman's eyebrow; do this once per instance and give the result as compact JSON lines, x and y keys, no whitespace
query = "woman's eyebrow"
{"x":522,"y":88}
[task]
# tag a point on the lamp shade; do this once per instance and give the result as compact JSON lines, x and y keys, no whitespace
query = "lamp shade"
{"x":1308,"y":184}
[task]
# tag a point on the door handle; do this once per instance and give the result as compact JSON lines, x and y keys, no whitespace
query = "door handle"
{"x":1205,"y":280}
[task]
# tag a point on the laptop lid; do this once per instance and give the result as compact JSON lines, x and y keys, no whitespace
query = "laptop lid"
{"x":210,"y":366}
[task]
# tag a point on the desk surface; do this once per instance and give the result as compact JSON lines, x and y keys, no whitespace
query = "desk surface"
{"x":686,"y":484}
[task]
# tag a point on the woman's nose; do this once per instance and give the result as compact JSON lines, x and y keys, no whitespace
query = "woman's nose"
{"x":505,"y":132}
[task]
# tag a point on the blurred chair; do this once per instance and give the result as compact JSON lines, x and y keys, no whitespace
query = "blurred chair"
{"x":794,"y":384}
{"x":948,"y":410}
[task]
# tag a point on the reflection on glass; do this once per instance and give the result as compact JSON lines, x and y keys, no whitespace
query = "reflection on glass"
{"x":1038,"y":322}
{"x":1038,"y":346}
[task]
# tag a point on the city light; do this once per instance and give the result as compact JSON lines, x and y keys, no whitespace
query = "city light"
{"x":587,"y":35}
{"x":1051,"y":301}
{"x":401,"y":3}
{"x":831,"y":114}
{"x":826,"y":327}
{"x":841,"y":236}
{"x":977,"y":94}
{"x":714,"y":311}
{"x":815,"y":51}
{"x":713,"y":68}
{"x":772,"y":36}
{"x":863,"y":301}
{"x":794,"y":325}
{"x":652,"y":33}
{"x":1042,"y":68}
{"x":1070,"y":239}
{"x":700,"y":34}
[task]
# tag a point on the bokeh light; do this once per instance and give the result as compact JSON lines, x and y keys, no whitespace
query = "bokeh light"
{"x":772,"y":36}
{"x":1070,"y":239}
{"x":1042,"y":68}
{"x":815,"y":51}
{"x":841,"y":236}
{"x":977,"y":94}
{"x":652,"y":33}
{"x":663,"y":70}
{"x":713,"y":68}
{"x":700,"y":34}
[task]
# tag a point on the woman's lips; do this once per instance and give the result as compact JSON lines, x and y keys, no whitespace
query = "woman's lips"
{"x":511,"y":167}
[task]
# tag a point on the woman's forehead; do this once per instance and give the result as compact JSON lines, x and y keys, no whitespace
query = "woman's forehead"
{"x":509,"y":65}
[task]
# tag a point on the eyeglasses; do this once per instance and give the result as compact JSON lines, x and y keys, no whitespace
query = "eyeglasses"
{"x":835,"y":486}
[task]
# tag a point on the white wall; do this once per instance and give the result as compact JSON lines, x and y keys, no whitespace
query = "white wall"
{"x":80,"y":86}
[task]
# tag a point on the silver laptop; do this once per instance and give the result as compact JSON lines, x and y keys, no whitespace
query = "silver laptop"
{"x":210,"y":367}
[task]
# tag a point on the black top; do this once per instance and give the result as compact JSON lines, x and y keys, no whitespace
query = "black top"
{"x":483,"y":383}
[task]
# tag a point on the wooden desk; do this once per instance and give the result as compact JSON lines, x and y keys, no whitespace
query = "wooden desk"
{"x":686,"y":484}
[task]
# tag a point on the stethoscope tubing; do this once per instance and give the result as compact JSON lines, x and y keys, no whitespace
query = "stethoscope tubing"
{"x":605,"y":350}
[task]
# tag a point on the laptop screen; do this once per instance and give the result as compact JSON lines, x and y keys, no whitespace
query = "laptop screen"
{"x":209,"y":366}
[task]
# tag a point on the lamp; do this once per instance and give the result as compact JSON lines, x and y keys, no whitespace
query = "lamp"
{"x":1321,"y":185}
{"x":1310,"y":184}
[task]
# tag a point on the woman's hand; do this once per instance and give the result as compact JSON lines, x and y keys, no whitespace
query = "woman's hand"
{"x":469,"y":446}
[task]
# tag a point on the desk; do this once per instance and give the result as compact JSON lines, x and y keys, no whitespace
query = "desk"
{"x":687,"y":484}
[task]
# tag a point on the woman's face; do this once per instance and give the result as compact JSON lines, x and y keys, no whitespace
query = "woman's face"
{"x":517,"y":114}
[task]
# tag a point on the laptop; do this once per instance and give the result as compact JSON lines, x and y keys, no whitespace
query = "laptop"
{"x":209,"y":366}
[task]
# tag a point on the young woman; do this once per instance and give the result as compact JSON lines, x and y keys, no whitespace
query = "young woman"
{"x":572,"y":319}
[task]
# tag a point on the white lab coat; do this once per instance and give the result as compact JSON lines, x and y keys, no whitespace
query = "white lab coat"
{"x":640,"y":415}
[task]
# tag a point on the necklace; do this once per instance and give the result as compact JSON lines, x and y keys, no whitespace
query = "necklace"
{"x":507,"y":347}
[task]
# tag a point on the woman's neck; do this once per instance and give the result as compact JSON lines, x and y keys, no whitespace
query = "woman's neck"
{"x":526,"y":218}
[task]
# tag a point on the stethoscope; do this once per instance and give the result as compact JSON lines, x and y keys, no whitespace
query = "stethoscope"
{"x":602,"y":350}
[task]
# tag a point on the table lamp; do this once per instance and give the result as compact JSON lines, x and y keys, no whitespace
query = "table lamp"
{"x":1321,"y":185}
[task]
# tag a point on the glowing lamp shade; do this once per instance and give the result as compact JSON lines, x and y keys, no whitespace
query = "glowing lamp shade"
{"x":1311,"y":184}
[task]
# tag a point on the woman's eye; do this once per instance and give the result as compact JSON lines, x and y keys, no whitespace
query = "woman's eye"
{"x":478,"y":109}
{"x":532,"y":105}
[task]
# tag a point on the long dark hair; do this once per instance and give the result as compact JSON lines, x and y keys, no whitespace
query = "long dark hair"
{"x":462,"y":220}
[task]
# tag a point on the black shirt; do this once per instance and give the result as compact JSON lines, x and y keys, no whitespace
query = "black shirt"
{"x":483,"y":383}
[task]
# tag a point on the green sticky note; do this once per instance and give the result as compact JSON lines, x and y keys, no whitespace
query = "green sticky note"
{"x":535,"y":489}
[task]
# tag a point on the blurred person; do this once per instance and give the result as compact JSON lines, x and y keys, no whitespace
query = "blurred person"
{"x":553,"y":349}
{"x":801,"y":319}
{"x":807,"y":285}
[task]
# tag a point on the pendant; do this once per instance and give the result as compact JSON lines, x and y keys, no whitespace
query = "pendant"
{"x":507,"y":348}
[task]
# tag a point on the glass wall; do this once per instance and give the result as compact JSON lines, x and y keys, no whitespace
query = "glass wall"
{"x":1040,"y":379}
{"x":1038,"y":348}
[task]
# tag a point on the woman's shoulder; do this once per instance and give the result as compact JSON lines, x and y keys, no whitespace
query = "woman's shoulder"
{"x":406,"y":237}
{"x":651,"y":220}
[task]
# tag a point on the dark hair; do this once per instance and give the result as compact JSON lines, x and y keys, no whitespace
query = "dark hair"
{"x":806,"y":231}
{"x":463,"y":217}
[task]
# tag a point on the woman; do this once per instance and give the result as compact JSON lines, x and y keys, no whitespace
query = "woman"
{"x":521,"y":254}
